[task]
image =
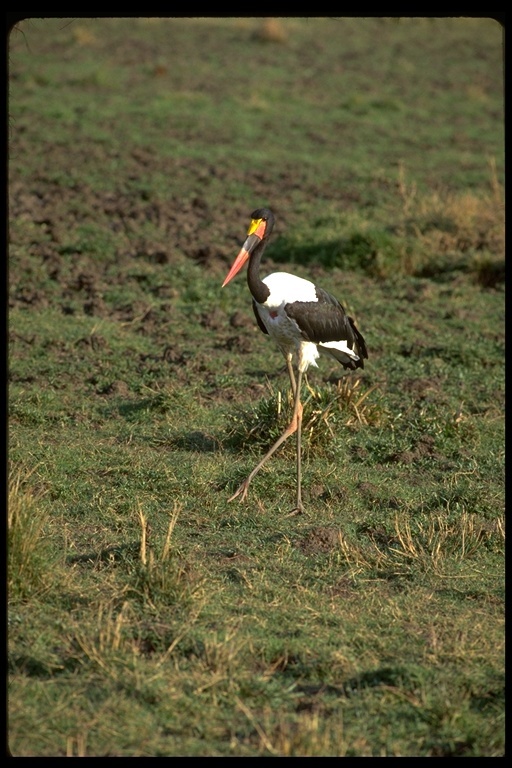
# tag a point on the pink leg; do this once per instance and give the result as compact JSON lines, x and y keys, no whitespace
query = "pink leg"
{"x":294,"y":426}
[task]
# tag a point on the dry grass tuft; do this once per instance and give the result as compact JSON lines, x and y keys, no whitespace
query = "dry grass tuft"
{"x":348,"y":399}
{"x":30,"y":570}
{"x":325,"y":413}
{"x":307,"y":734}
{"x":465,"y":230}
{"x":431,"y":545}
{"x":271,"y":30}
{"x":159,"y":576}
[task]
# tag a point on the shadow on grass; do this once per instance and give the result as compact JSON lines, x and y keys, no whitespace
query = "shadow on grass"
{"x":196,"y":441}
{"x":115,"y":554}
{"x":398,"y":677}
{"x":30,"y":666}
{"x":356,"y":253}
{"x":188,"y":440}
{"x":157,"y":404}
{"x":381,"y":253}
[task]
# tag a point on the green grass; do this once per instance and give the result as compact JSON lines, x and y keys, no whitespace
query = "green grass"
{"x":147,"y":616}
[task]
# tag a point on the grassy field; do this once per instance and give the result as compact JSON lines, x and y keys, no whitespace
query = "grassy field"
{"x":147,"y":616}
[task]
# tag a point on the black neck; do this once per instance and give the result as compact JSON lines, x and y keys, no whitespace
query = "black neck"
{"x":257,"y":287}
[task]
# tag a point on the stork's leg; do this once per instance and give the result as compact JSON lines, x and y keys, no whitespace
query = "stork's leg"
{"x":298,"y":411}
{"x":290,"y":429}
{"x":291,"y":374}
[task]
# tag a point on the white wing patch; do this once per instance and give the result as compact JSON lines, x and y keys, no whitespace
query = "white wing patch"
{"x":286,"y":288}
{"x":341,"y":346}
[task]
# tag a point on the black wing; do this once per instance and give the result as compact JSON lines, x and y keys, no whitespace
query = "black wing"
{"x":326,"y":320}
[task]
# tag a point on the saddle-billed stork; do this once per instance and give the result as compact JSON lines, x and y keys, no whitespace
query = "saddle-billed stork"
{"x":303,"y":320}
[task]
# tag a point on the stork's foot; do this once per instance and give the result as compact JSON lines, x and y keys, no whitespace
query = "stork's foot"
{"x":242,"y":491}
{"x":298,"y":510}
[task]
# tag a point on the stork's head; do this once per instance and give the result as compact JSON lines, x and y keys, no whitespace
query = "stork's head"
{"x":262,"y":223}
